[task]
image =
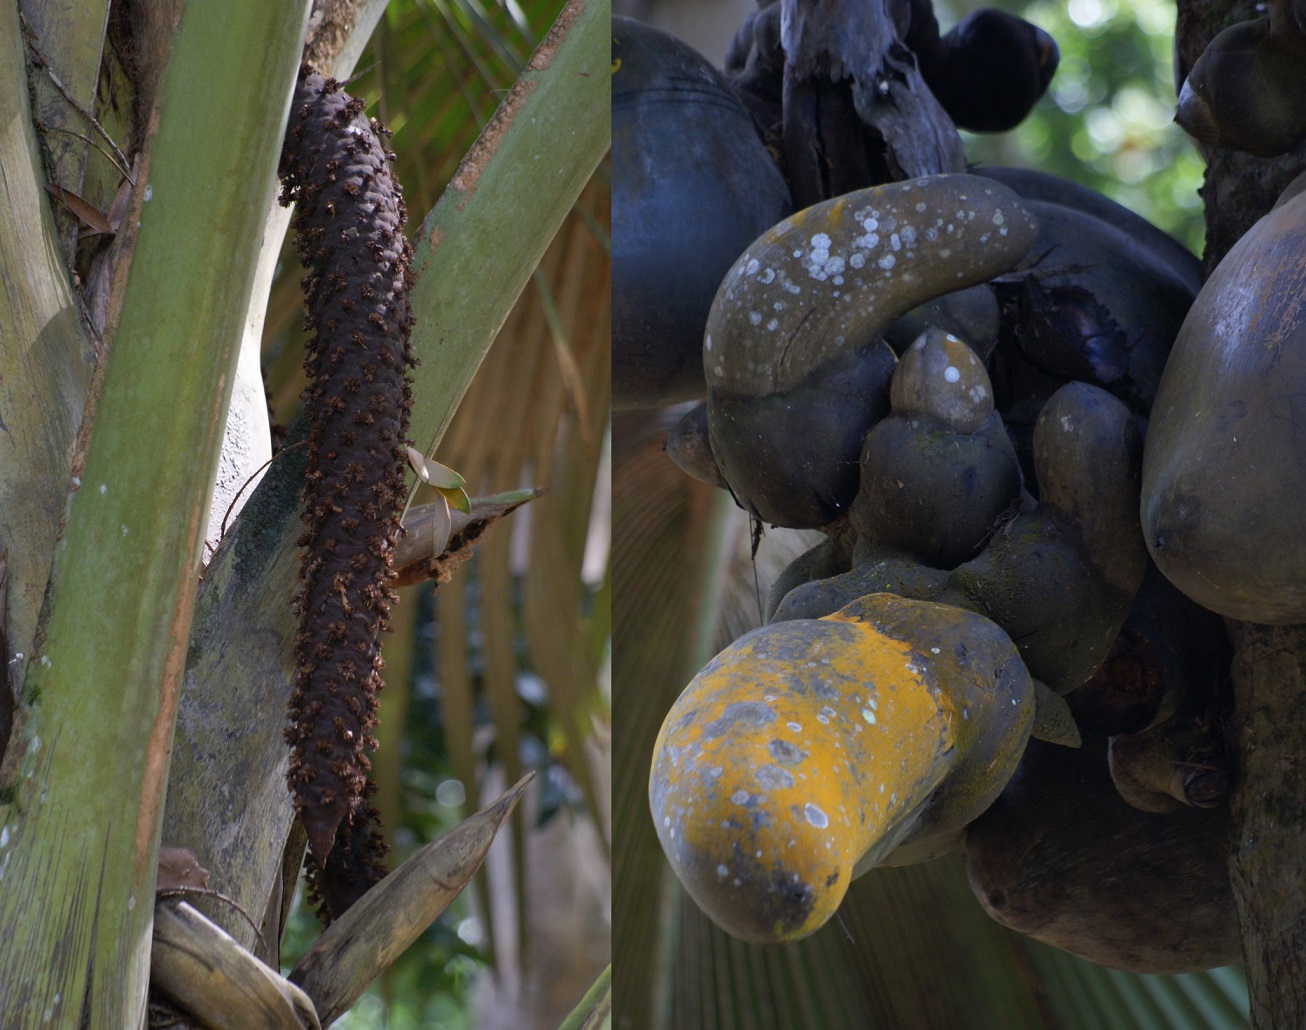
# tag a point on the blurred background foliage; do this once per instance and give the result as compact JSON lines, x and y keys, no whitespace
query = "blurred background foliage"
{"x":911,"y":948}
{"x":1108,"y":118}
{"x":503,"y":669}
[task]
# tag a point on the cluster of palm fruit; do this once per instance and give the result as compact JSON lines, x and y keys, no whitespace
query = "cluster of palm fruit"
{"x":1046,"y":457}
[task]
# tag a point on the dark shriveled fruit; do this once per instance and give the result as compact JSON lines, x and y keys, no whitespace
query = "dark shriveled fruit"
{"x":1094,"y":304}
{"x":349,"y":221}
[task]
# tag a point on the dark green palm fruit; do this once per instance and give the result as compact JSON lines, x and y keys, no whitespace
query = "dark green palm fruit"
{"x":934,"y":492}
{"x":1060,"y":856}
{"x":1060,"y":577}
{"x":353,"y":867}
{"x":1224,"y":472}
{"x":939,"y":471}
{"x":793,"y":351}
{"x":349,"y":222}
{"x":1247,"y":91}
{"x":790,"y":458}
{"x":692,"y":185}
{"x":1087,"y":456}
{"x":1061,"y":580}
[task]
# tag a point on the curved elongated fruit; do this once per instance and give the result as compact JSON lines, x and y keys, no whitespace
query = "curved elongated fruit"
{"x":831,"y":277}
{"x":692,"y":185}
{"x":806,"y":306}
{"x":808,"y":751}
{"x":1224,"y":468}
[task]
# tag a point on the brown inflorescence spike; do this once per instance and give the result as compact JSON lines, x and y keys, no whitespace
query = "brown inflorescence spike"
{"x":353,"y":866}
{"x":349,"y":222}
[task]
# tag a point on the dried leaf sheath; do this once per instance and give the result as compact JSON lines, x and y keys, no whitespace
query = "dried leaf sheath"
{"x":349,"y":221}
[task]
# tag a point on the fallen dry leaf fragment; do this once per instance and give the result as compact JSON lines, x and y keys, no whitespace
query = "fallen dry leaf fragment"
{"x":87,"y":213}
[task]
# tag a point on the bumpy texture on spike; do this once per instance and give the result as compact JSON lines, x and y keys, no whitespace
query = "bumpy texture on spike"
{"x":353,"y":866}
{"x":349,"y":222}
